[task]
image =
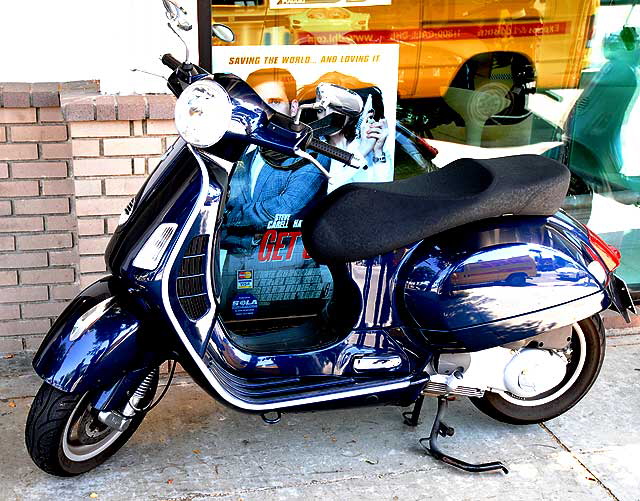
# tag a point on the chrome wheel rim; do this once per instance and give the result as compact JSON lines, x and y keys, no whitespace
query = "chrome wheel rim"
{"x":563,"y":387}
{"x":84,"y":436}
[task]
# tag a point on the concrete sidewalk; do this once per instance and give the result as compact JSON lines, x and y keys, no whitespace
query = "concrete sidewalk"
{"x":191,"y":448}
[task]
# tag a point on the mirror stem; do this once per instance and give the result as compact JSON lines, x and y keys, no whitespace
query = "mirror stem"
{"x":182,"y":40}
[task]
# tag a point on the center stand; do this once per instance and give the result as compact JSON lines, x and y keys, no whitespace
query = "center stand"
{"x":440,"y":428}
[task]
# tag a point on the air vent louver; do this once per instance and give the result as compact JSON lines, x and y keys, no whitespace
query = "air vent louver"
{"x":191,"y":287}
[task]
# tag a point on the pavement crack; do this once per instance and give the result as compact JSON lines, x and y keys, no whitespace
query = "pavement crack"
{"x":555,"y":438}
{"x":293,"y":485}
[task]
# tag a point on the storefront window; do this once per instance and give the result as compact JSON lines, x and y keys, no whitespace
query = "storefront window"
{"x":473,"y":78}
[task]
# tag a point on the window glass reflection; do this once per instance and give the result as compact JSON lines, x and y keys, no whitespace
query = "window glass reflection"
{"x":485,"y":78}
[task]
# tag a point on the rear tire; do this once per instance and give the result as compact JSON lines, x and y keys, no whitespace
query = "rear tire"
{"x":64,"y":437}
{"x":514,"y":410}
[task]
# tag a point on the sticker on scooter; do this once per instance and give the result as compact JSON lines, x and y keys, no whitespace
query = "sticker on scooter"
{"x":244,"y":306}
{"x":244,"y":279}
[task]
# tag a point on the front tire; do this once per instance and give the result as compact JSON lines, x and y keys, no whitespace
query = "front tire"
{"x":588,"y":347}
{"x":64,"y":436}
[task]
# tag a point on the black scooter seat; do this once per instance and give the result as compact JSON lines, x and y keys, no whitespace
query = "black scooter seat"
{"x":363,"y":220}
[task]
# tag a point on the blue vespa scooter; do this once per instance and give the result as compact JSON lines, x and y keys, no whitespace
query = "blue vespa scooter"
{"x":468,"y":281}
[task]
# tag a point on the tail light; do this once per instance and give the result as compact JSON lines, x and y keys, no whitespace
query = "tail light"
{"x":433,"y":151}
{"x":608,"y":254}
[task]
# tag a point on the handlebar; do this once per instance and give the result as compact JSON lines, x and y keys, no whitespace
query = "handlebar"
{"x":334,"y":153}
{"x":170,"y":61}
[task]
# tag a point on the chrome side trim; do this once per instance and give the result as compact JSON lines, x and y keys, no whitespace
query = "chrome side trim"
{"x":369,"y":363}
{"x":200,"y":363}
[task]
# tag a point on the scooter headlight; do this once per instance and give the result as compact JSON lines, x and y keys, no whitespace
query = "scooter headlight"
{"x":203,"y":113}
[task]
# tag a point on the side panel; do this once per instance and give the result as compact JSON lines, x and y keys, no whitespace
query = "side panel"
{"x":97,"y":354}
{"x":495,"y":282}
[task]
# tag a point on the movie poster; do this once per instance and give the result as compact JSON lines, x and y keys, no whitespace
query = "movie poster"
{"x":264,"y":264}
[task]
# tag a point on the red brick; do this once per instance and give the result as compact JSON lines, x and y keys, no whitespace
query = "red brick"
{"x":153,"y":162}
{"x":61,"y":223}
{"x":45,"y":95}
{"x":49,"y":276}
{"x":133,"y":146}
{"x":169,"y":140}
{"x":92,"y":264}
{"x":161,"y":127}
{"x":39,"y":170}
{"x":51,"y":114}
{"x":88,"y":279}
{"x":90,"y":226}
{"x":137,"y":128}
{"x":5,"y":207}
{"x":38,"y":133}
{"x":9,"y":311}
{"x":17,"y":327}
{"x":23,"y":260}
{"x":55,"y":151}
{"x":100,"y":206}
{"x":123,"y":186}
{"x":19,"y":189}
{"x":11,"y":278}
{"x":10,"y":344}
{"x":105,"y":108}
{"x":112,"y":224}
{"x":23,"y":293}
{"x":42,"y":206}
{"x":58,"y":187}
{"x":139,"y":165}
{"x":79,"y":109}
{"x":63,"y":258}
{"x":16,"y":95}
{"x":7,"y":244}
{"x":95,"y":245}
{"x":102,"y":167}
{"x":88,"y":187}
{"x":17,"y":224}
{"x":18,"y":151}
{"x":85,"y":147}
{"x":64,"y":291}
{"x":48,"y":241}
{"x":99,"y":129}
{"x":4,"y":170}
{"x":3,"y":135}
{"x":39,"y":310}
{"x":17,"y":115}
{"x":161,"y":107}
{"x":131,"y":107}
{"x":32,"y":343}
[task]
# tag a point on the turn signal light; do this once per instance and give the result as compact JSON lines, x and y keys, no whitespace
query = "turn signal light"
{"x":608,"y":254}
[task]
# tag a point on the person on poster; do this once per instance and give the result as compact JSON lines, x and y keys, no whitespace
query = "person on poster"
{"x":259,"y":192}
{"x":365,"y":136}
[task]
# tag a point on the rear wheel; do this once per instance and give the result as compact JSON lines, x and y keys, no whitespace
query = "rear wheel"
{"x":64,"y":436}
{"x":587,"y":355}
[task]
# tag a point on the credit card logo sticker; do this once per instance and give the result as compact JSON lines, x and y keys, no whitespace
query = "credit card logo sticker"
{"x":244,"y":279}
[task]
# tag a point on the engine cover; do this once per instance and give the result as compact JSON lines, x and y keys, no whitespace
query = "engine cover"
{"x":533,"y":371}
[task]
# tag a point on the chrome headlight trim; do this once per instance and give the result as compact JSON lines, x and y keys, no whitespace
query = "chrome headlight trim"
{"x":203,"y":113}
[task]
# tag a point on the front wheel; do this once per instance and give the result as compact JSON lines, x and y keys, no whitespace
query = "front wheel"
{"x":587,"y":355}
{"x":64,"y":436}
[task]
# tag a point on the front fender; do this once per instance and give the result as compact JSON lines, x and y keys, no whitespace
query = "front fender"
{"x":95,"y":341}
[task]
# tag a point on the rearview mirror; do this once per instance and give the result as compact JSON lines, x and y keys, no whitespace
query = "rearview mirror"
{"x":223,"y":32}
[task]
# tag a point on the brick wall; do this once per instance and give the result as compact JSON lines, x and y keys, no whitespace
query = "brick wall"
{"x":70,"y":160}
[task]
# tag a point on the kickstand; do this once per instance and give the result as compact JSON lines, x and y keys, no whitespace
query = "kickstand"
{"x":411,"y":417}
{"x":440,"y":428}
